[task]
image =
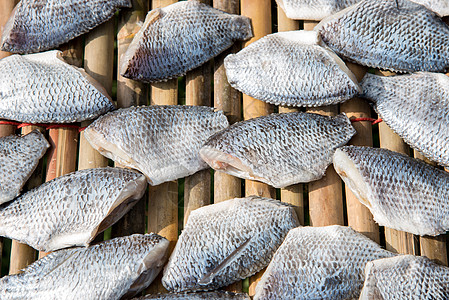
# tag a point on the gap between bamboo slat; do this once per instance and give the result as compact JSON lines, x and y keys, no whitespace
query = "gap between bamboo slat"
{"x":293,"y":194}
{"x":163,"y":198}
{"x":130,"y":93}
{"x":359,"y":216}
{"x":260,"y":13}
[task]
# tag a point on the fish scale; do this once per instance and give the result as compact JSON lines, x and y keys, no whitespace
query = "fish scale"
{"x":416,"y":107}
{"x":397,"y":35}
{"x":279,"y":149}
{"x":69,"y":210}
{"x":216,"y":235}
{"x":42,"y":88}
{"x":160,"y":141}
{"x":179,"y":38}
{"x":402,"y":193}
{"x":405,"y":277}
{"x":319,"y":263}
{"x":38,"y":25}
{"x":197,"y":296}
{"x":19,"y":157}
{"x":107,"y":270}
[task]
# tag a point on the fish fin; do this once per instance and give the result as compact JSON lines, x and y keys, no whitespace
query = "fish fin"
{"x":207,"y":278}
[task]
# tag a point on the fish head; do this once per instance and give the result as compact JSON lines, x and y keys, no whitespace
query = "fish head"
{"x":153,"y":258}
{"x":14,"y":39}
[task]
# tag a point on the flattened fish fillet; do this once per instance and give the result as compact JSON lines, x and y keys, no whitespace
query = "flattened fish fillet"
{"x":319,"y":263}
{"x":279,"y":149}
{"x":43,"y":88}
{"x":401,"y":192}
{"x":71,"y":210}
{"x":160,"y":141}
{"x":180,"y":37}
{"x":228,"y":241}
{"x":416,"y":107}
{"x":19,"y":157}
{"x":38,"y":25}
{"x":397,"y":35}
{"x":405,"y":277}
{"x":119,"y":267}
{"x":291,"y":68}
{"x":319,"y":9}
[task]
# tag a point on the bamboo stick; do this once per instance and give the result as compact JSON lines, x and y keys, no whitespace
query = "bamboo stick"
{"x":396,"y":241}
{"x":260,"y":13}
{"x":163,"y":199}
{"x":292,"y":194}
{"x":359,"y":216}
{"x":130,"y":93}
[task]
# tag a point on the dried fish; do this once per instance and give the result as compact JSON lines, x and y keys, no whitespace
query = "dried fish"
{"x":396,"y":35}
{"x":405,"y":277}
{"x":180,"y":37}
{"x":160,"y":141}
{"x":227,"y":241}
{"x":119,"y":267}
{"x":416,"y":107}
{"x":43,"y":88}
{"x":291,"y":68}
{"x":320,"y":9}
{"x":319,"y":263}
{"x":72,"y":209}
{"x":19,"y":157}
{"x":198,"y":296}
{"x":38,"y":25}
{"x":279,"y":149}
{"x":401,"y":192}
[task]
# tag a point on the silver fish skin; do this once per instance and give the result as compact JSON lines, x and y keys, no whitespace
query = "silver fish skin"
{"x":319,"y":263}
{"x":416,"y":107}
{"x":180,"y":37}
{"x":19,"y":157}
{"x":198,"y":296}
{"x":405,"y":277}
{"x":320,"y":9}
{"x":279,"y":149}
{"x":228,"y":241}
{"x":401,"y":192}
{"x":160,"y":141}
{"x":72,"y":209}
{"x":39,"y":25}
{"x":43,"y":88}
{"x":396,"y":35}
{"x":264,"y":70}
{"x":114,"y":269}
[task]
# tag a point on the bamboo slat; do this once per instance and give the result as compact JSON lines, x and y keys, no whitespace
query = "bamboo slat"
{"x":292,"y":194}
{"x":260,"y":13}
{"x":396,"y":241}
{"x":130,"y":93}
{"x":359,"y":216}
{"x":163,"y":199}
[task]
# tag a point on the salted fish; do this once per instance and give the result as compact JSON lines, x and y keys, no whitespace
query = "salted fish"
{"x":198,"y":296}
{"x":19,"y":156}
{"x":160,"y":141}
{"x":116,"y":268}
{"x":227,"y":241}
{"x":38,"y":25}
{"x":319,"y":263}
{"x":416,"y":107}
{"x":291,"y":68}
{"x":180,"y":37}
{"x":279,"y":149}
{"x":320,"y":9}
{"x":397,"y":35}
{"x":405,"y":277}
{"x":43,"y":88}
{"x":401,"y":192}
{"x":72,"y":209}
